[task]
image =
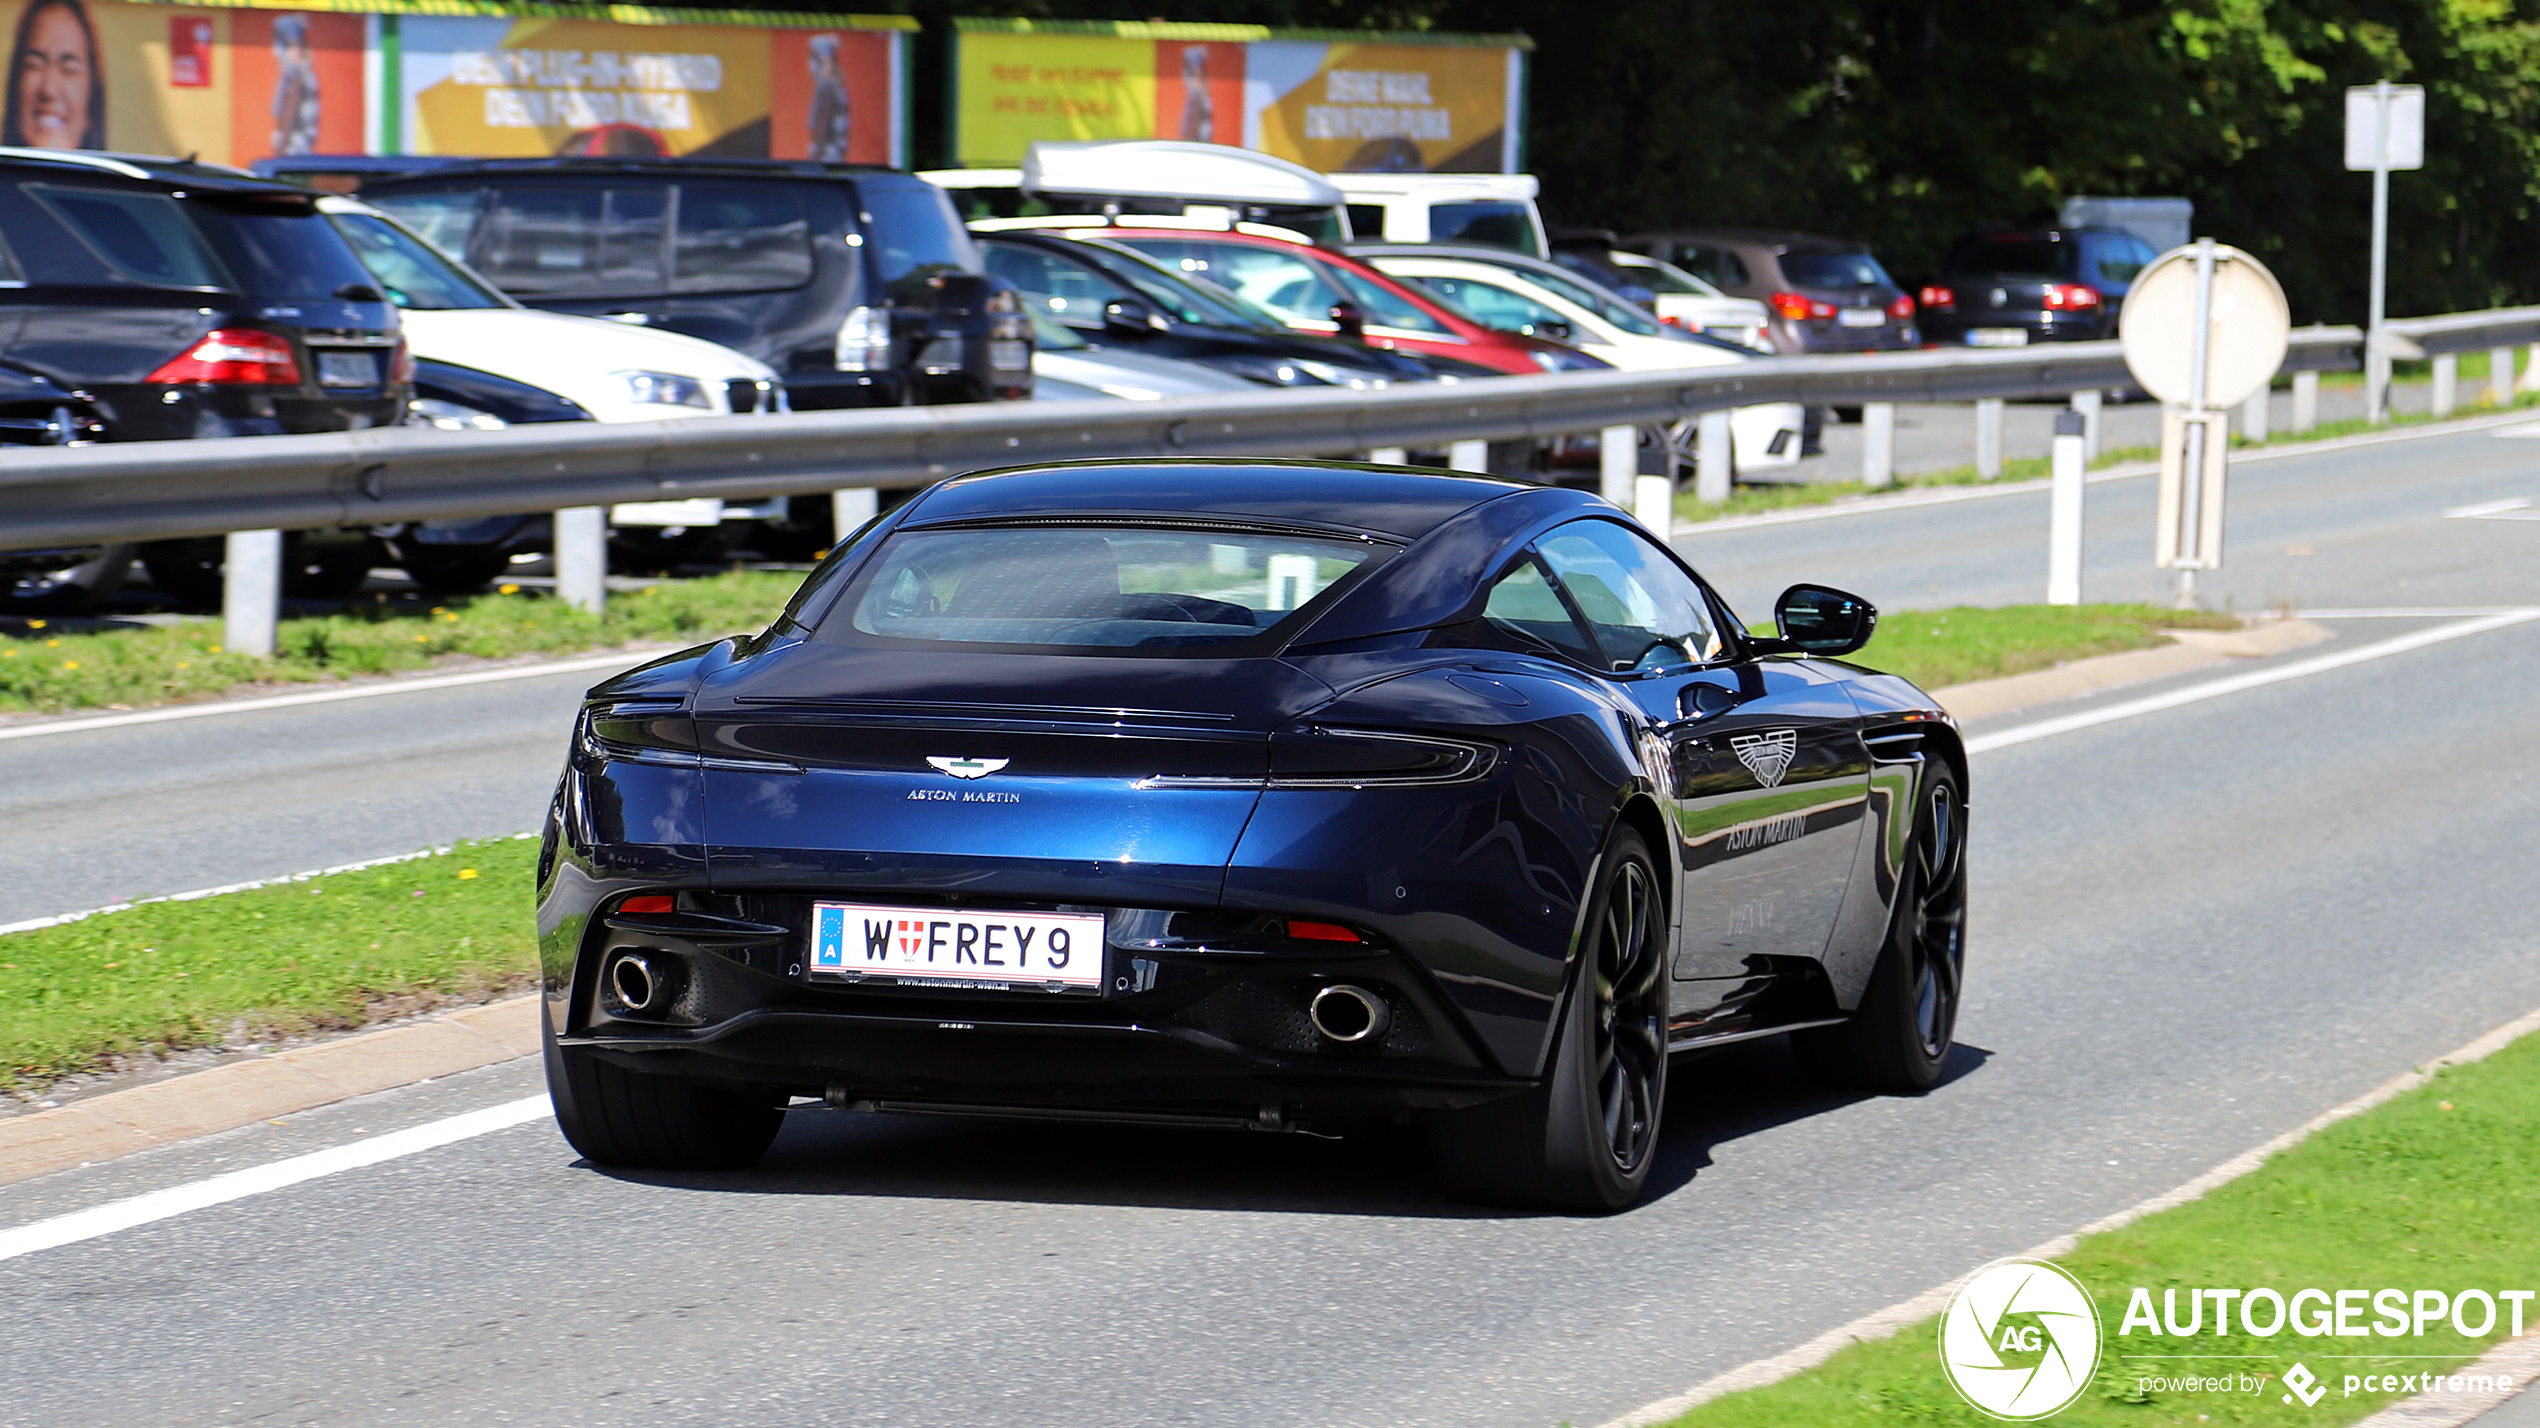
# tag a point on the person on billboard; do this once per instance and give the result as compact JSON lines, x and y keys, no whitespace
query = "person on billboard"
{"x":57,"y":91}
{"x":832,"y":117}
{"x":1199,"y":112}
{"x":295,"y":87}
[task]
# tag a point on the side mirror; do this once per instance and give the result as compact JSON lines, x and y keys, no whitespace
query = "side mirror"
{"x":1555,"y":331}
{"x":1351,"y":319}
{"x":1130,"y":317}
{"x":1815,"y":620}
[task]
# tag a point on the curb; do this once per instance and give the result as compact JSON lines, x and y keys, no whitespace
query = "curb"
{"x":1886,"y":1323}
{"x":2189,"y":650}
{"x":120,"y":1122}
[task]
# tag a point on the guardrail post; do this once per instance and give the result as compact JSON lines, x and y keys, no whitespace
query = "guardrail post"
{"x":1878,"y":444}
{"x":2447,"y":382}
{"x":1387,"y":456}
{"x":1989,"y":437}
{"x":1715,"y":457}
{"x":849,"y":509}
{"x":2306,"y":401}
{"x":2500,"y":376}
{"x":2376,"y":378}
{"x":1469,"y":456}
{"x":2087,"y":403}
{"x":251,"y":591}
{"x":2531,"y":370}
{"x":2254,"y":415}
{"x":582,"y":557}
{"x":1617,"y":462}
{"x":2063,"y":515}
{"x":1654,"y":504}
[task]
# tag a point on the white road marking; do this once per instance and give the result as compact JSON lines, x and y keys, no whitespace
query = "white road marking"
{"x":623,"y":659}
{"x":2406,"y":612}
{"x":2527,"y":431}
{"x":158,"y":1205}
{"x":2255,"y":679}
{"x":198,"y":894}
{"x":2512,"y":508}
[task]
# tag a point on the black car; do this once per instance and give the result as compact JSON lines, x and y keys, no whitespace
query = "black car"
{"x":179,"y":300}
{"x":857,"y":284}
{"x":1117,"y":296}
{"x":1278,"y":795}
{"x":2008,"y":287}
{"x":1826,"y":294}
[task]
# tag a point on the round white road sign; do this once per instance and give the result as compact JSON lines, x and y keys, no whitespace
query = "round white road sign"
{"x":2251,"y":328}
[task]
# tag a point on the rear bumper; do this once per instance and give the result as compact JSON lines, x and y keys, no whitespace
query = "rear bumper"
{"x":1951,"y":329}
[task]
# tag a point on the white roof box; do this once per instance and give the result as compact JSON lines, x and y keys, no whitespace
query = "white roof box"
{"x":1437,"y":188}
{"x":1174,"y":169}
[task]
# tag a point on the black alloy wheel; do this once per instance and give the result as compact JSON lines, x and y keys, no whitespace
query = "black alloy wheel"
{"x":1900,"y":1037}
{"x":1583,"y":1139}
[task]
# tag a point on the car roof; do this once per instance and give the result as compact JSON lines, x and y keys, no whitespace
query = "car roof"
{"x":661,"y":167}
{"x":1331,"y":496}
{"x":157,"y":170}
{"x":1782,"y":240}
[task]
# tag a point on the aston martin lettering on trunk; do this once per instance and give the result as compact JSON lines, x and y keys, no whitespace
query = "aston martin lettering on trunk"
{"x":939,"y":946}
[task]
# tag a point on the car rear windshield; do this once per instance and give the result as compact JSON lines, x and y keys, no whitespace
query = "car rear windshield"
{"x":413,"y":272}
{"x":1834,"y":270}
{"x":142,"y":236}
{"x":1127,"y":590}
{"x":2014,"y":258}
{"x":1495,"y":225}
{"x":282,"y":250}
{"x":916,"y":234}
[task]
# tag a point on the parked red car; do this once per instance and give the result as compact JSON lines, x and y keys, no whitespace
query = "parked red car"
{"x":1314,"y":289}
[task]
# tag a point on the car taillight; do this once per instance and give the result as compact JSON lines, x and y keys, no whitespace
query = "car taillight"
{"x":1902,"y":309}
{"x":864,"y":340}
{"x":1796,"y":306}
{"x":2070,"y":297}
{"x":235,"y":356}
{"x":649,"y":903}
{"x":401,"y":364}
{"x":1937,"y":299}
{"x":1321,"y":932}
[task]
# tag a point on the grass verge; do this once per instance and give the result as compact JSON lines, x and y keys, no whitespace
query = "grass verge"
{"x":326,"y":953}
{"x":2436,"y":1189}
{"x":1934,"y":648}
{"x":48,"y":669}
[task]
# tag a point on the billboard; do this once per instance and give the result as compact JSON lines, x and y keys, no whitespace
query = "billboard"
{"x":237,"y":83}
{"x":1337,"y":101}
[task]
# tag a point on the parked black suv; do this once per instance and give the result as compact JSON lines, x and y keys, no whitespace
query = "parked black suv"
{"x":2008,"y":287}
{"x":858,"y":284}
{"x":149,"y":299}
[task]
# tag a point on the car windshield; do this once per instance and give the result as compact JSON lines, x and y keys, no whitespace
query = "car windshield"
{"x":1596,"y":300}
{"x":1834,"y":270}
{"x":1104,"y":589}
{"x":412,"y":272}
{"x":2014,"y":257}
{"x":1192,"y":302}
{"x":1051,"y":335}
{"x":282,"y":250}
{"x":1661,"y":277}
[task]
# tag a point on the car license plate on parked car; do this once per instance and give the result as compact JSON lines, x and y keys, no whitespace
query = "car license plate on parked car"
{"x":1861,"y":316}
{"x":956,"y":947}
{"x":347,"y":369}
{"x":1997,"y":337}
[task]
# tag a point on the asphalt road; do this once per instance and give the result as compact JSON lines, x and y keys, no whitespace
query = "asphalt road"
{"x":2193,"y":930}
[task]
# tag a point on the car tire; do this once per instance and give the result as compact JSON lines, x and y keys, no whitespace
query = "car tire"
{"x":643,"y":1121}
{"x":1899,"y":1039}
{"x":1583,"y":1139}
{"x":659,"y":550}
{"x":452,"y":569}
{"x":316,"y":565}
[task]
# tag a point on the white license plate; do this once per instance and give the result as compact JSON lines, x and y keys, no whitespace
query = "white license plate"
{"x":347,"y":369}
{"x":1997,"y":337}
{"x":1861,"y":316}
{"x":1007,"y":356}
{"x":956,"y":947}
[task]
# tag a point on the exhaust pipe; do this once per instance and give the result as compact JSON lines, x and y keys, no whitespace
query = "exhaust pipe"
{"x":1348,"y":1014}
{"x":637,"y":984}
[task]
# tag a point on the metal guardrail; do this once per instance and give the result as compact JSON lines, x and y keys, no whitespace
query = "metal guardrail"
{"x":155,"y":490}
{"x":2454,"y":332}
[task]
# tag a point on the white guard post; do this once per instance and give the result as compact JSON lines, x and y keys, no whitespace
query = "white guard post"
{"x":1715,"y":457}
{"x":251,"y":591}
{"x":2087,"y":403}
{"x":849,"y":509}
{"x":1989,"y":438}
{"x":2500,"y":376}
{"x":1617,"y":462}
{"x":1380,"y":456}
{"x":2063,"y":521}
{"x":1469,"y":456}
{"x":1878,"y":444}
{"x":582,"y":557}
{"x":2306,"y":401}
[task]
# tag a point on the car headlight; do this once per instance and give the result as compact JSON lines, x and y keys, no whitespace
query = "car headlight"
{"x":667,"y":389}
{"x":450,"y":416}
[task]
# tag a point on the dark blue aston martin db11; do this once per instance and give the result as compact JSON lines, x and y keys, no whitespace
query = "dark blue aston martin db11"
{"x":1252,"y":794}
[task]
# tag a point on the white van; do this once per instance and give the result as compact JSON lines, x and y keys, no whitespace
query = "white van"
{"x":1491,"y":210}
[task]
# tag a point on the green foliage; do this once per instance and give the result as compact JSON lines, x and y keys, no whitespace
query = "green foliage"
{"x":48,"y":669}
{"x":293,"y":957}
{"x":1937,"y":648}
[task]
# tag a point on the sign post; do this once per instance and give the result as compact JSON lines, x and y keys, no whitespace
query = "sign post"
{"x":2385,"y":130}
{"x":2204,"y":328}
